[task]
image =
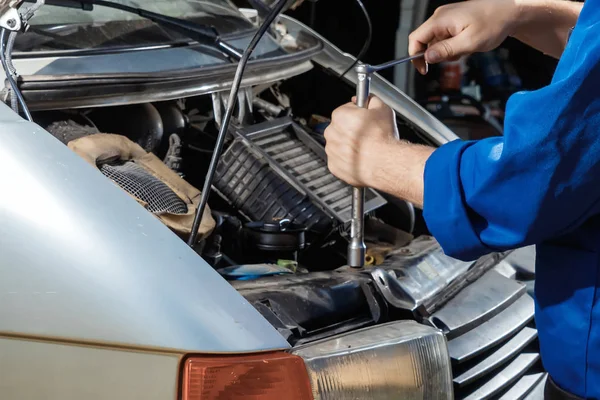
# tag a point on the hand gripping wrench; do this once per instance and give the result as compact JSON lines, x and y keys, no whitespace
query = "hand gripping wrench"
{"x":357,"y":248}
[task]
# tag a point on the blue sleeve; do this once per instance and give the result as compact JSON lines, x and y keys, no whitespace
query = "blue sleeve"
{"x":537,"y":182}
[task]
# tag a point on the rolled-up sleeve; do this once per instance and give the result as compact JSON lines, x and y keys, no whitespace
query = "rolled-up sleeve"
{"x":538,"y":181}
{"x":446,"y":211}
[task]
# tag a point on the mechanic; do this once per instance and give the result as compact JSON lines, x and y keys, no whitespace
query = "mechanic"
{"x":538,"y":184}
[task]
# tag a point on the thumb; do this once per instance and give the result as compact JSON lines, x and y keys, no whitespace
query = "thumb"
{"x":448,"y":49}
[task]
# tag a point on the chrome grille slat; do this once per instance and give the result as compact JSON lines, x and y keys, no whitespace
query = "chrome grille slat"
{"x":493,"y":331}
{"x":523,"y":387}
{"x":498,"y":358}
{"x":512,"y":372}
{"x":492,"y":339}
{"x":477,"y":303}
{"x":537,"y":393}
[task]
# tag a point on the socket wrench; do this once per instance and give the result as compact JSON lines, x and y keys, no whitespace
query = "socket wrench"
{"x":357,"y":248}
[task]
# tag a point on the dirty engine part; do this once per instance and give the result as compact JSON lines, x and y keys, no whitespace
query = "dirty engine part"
{"x":276,"y":170}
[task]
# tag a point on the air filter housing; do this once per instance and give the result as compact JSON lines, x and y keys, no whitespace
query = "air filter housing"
{"x":276,"y":170}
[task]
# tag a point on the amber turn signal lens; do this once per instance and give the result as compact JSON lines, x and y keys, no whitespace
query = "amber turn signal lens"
{"x":268,"y":376}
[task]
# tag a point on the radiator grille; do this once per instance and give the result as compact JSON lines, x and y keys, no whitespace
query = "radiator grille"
{"x":142,"y":185}
{"x":492,"y":340}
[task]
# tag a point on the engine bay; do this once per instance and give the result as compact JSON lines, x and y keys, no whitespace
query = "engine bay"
{"x":274,"y":202}
{"x":277,"y":222}
{"x":275,"y":212}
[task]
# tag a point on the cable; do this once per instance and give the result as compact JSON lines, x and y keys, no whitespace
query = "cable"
{"x":367,"y":44}
{"x":10,"y":78}
{"x":233,"y":94}
{"x":9,"y":49}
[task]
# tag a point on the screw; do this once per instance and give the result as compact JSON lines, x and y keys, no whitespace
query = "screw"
{"x":11,"y":23}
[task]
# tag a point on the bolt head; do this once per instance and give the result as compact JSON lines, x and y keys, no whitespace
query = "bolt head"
{"x":11,"y":23}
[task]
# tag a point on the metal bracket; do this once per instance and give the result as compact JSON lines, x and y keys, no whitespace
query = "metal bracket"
{"x":13,"y":19}
{"x":9,"y":15}
{"x":244,"y":106}
{"x":391,"y":290}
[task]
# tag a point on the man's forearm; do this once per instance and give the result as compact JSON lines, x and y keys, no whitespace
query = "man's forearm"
{"x":545,"y":24}
{"x":399,"y":171}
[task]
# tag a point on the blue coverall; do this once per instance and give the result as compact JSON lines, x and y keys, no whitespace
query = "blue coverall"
{"x":538,"y":184}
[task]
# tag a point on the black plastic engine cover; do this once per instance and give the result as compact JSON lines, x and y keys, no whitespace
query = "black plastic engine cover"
{"x":254,"y":188}
{"x":310,"y":306}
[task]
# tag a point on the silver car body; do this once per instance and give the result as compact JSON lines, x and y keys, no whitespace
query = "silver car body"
{"x":98,"y":299}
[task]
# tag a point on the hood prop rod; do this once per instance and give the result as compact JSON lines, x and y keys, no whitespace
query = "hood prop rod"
{"x":223,"y":129}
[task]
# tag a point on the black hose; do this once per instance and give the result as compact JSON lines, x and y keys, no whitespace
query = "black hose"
{"x":235,"y":87}
{"x":9,"y":76}
{"x":368,"y":40}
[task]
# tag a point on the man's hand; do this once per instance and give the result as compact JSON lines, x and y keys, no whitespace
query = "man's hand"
{"x":363,"y":150}
{"x":356,"y":139}
{"x":474,"y":26}
{"x":463,"y":28}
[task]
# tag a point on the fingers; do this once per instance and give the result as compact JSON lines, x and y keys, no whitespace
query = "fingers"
{"x":421,"y":65}
{"x":418,"y":42}
{"x":446,"y":36}
{"x":354,"y":101}
{"x":375,"y":103}
{"x":343,"y":112}
{"x":422,"y":36}
{"x":416,"y":47}
{"x":449,"y":49}
{"x":343,"y":155}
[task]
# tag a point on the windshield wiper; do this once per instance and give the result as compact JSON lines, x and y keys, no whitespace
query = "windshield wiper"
{"x":203,"y":34}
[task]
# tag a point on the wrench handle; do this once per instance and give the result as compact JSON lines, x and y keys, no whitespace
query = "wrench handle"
{"x":356,"y":248}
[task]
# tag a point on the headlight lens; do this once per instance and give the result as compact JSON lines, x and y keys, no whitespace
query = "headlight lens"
{"x":398,"y":360}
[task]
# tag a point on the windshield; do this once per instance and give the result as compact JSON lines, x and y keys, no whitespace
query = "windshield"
{"x":59,"y":28}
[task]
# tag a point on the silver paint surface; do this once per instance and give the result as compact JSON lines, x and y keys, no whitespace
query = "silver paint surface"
{"x":81,"y":260}
{"x":32,"y":370}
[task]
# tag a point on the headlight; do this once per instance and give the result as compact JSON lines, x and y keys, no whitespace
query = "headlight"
{"x":400,"y":360}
